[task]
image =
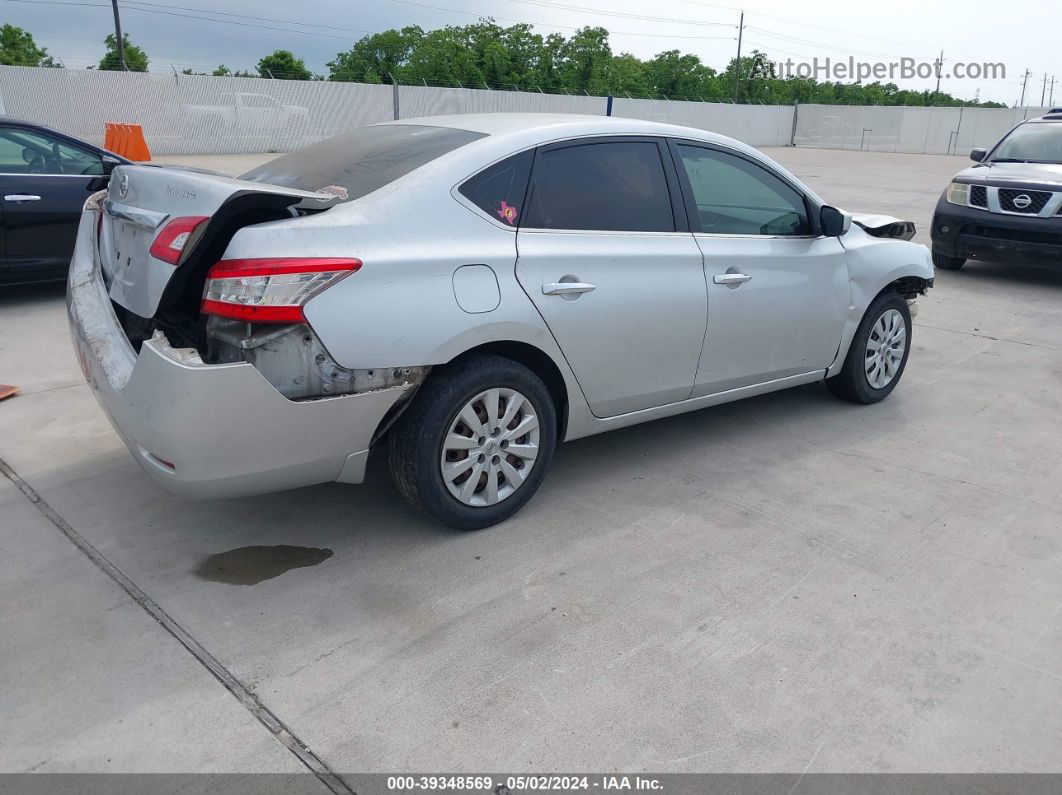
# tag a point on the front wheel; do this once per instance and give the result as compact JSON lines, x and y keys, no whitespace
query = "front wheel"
{"x":878,"y":354}
{"x":475,"y":444}
{"x":944,"y":262}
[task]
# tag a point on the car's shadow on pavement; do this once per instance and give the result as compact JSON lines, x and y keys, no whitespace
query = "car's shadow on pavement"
{"x":26,"y":294}
{"x":655,"y":464}
{"x":976,"y":271}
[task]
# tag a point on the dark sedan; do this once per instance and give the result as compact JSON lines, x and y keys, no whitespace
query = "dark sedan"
{"x":45,"y":177}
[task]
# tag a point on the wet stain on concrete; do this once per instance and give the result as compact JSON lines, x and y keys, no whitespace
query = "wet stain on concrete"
{"x":252,"y":565}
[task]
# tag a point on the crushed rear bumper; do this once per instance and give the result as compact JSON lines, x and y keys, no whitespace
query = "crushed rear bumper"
{"x":210,"y":430}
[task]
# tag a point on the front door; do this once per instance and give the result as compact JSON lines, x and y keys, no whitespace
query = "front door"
{"x":777,"y":290}
{"x":44,"y":182}
{"x":604,"y":256}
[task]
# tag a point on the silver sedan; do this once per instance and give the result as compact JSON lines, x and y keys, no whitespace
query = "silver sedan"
{"x":461,"y":293}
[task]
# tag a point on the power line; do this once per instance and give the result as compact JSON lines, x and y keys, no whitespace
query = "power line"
{"x":249,"y":16}
{"x":786,"y":37}
{"x":552,"y":25}
{"x":623,"y":14}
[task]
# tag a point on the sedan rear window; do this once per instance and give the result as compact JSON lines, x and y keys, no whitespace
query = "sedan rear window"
{"x":355,"y":164}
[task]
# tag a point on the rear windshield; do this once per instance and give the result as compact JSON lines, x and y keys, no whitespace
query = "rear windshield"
{"x":355,"y":164}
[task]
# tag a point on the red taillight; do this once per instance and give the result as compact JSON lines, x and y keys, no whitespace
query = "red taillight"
{"x":271,"y":290}
{"x":172,"y":240}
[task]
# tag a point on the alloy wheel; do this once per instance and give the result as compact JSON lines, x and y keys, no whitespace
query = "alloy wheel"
{"x":885,"y":348}
{"x":490,"y":447}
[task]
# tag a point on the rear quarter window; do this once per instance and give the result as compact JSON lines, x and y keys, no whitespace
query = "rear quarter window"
{"x":499,"y":190}
{"x":355,"y":164}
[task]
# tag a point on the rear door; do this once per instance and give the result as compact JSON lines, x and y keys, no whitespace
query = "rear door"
{"x":777,"y":288}
{"x":44,"y":181}
{"x":605,"y":254}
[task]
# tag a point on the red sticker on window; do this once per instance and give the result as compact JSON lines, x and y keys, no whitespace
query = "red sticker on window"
{"x":507,"y":213}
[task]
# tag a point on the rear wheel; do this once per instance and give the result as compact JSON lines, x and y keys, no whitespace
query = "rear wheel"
{"x":944,"y":262}
{"x":475,"y":445}
{"x":878,"y":354}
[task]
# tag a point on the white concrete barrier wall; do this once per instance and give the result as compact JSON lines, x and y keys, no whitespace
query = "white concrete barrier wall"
{"x":757,"y":125}
{"x":905,"y":129}
{"x":194,"y":114}
{"x":415,"y":101}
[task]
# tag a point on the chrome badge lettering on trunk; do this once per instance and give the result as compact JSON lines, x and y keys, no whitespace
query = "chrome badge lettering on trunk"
{"x":179,"y":193}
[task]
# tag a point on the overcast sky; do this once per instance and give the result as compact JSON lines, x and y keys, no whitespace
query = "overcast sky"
{"x":1021,"y":37}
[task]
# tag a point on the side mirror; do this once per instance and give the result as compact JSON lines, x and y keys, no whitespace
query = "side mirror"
{"x":109,"y":164}
{"x":834,"y":222}
{"x":978,"y":155}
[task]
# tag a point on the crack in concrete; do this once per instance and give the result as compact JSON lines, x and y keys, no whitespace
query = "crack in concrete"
{"x":990,"y":337}
{"x":242,"y":692}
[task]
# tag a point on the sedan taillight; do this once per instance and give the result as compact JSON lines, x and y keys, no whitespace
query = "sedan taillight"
{"x":271,"y":290}
{"x":171,"y":242}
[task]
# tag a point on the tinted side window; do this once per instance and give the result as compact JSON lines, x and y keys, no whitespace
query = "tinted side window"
{"x":30,"y":152}
{"x":616,"y":186}
{"x":499,"y":190}
{"x":736,"y":197}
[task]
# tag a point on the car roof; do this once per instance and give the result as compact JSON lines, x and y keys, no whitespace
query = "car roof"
{"x":563,"y":123}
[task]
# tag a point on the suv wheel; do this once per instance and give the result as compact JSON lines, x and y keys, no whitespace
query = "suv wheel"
{"x":878,"y":354}
{"x":944,"y":262}
{"x":475,"y":445}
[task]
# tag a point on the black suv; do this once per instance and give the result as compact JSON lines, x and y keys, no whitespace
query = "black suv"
{"x":1008,"y":207}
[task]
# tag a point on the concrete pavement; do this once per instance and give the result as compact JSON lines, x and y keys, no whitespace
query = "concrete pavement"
{"x":788,"y":583}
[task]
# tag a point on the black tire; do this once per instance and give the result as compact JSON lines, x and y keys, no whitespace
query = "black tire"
{"x":415,"y":444}
{"x":944,"y":262}
{"x":852,"y":382}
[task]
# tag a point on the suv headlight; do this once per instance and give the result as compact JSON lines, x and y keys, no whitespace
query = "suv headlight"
{"x":958,"y":193}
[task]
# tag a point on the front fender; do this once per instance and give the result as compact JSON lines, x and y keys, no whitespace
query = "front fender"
{"x":873,"y":264}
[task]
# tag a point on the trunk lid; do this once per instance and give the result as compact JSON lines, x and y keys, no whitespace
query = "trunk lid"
{"x":141,"y":200}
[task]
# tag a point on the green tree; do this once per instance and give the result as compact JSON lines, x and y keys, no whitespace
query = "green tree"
{"x":136,"y":59}
{"x":585,"y":58}
{"x":443,"y":58}
{"x":222,"y":71}
{"x":678,"y":76}
{"x":627,"y":75}
{"x":17,"y":48}
{"x":283,"y":65}
{"x":515,"y":57}
{"x":376,"y":57}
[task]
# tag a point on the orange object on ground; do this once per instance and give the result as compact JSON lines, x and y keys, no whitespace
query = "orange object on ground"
{"x":7,"y":390}
{"x":126,"y":140}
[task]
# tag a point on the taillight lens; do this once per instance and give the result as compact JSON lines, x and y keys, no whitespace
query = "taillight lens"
{"x":173,"y":239}
{"x":270,"y":290}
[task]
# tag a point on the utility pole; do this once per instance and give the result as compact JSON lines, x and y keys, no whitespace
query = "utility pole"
{"x":1043,"y":91}
{"x":1051,"y":99}
{"x":940,"y":65}
{"x":118,"y":35}
{"x":1024,"y":83}
{"x":737,"y":63}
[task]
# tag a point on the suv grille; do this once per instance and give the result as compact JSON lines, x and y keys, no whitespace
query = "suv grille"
{"x":978,"y":196}
{"x":1014,"y":201}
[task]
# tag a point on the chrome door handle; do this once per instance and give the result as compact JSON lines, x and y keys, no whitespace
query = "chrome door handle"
{"x":731,"y":278}
{"x":21,"y":197}
{"x":566,"y":288}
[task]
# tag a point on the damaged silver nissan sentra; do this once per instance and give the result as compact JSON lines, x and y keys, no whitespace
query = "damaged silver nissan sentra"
{"x":465,"y":292}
